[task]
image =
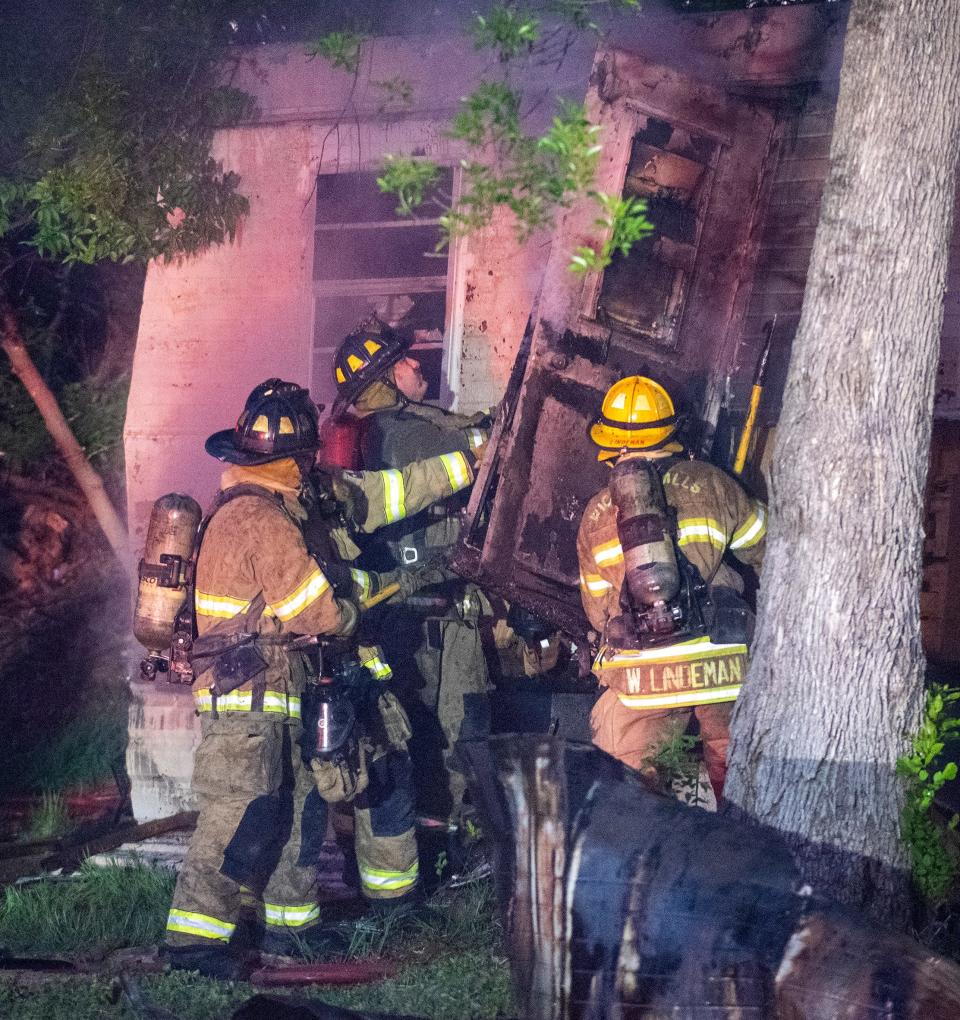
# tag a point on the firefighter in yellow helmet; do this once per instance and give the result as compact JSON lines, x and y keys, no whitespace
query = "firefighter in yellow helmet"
{"x":673,"y":628}
{"x":261,"y":782}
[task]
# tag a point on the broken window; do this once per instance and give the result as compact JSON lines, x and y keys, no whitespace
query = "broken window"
{"x":368,"y":260}
{"x":643,"y":293}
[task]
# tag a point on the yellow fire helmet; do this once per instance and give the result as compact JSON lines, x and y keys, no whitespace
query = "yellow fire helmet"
{"x":637,"y":414}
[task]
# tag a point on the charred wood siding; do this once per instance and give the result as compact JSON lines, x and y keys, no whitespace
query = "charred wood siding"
{"x":785,"y":247}
{"x":939,"y":602}
{"x":784,"y":255}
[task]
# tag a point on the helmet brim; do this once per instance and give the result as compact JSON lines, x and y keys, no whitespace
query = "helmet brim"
{"x":349,"y":393}
{"x":223,"y":446}
{"x":612,"y":438}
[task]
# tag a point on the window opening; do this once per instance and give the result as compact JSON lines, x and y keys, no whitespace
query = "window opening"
{"x":368,"y":260}
{"x":643,"y":293}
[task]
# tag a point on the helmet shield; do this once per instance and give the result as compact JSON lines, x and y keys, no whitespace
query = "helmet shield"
{"x":363,"y":357}
{"x":278,"y":420}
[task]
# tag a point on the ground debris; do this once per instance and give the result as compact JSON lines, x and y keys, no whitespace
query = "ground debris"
{"x":276,"y":1007}
{"x":140,"y":1004}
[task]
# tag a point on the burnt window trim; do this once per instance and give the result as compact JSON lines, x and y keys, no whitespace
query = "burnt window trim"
{"x":633,"y":112}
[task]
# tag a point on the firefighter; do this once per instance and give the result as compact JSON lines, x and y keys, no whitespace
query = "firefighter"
{"x":663,"y":526}
{"x":262,"y":814}
{"x":441,"y":666}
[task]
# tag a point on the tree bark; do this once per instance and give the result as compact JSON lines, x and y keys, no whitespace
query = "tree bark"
{"x":87,"y":479}
{"x":836,"y":684}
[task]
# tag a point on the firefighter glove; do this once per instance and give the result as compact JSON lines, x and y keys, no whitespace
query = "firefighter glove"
{"x":396,"y":724}
{"x":621,"y":632}
{"x":343,"y":778}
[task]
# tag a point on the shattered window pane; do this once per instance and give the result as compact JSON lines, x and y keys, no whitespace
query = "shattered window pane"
{"x":643,"y":293}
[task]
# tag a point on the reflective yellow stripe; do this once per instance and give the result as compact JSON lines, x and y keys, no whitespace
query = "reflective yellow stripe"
{"x":475,"y":438}
{"x":457,"y":470}
{"x":701,"y":529}
{"x":290,"y":916}
{"x":305,"y":594}
{"x":393,"y":496}
{"x":609,"y":552}
{"x":684,"y":651}
{"x":752,"y":530}
{"x":223,"y":606}
{"x":373,"y":878}
{"x":242,"y":701}
{"x":362,"y":580}
{"x":595,"y":584}
{"x":201,"y":925}
{"x":681,"y":698}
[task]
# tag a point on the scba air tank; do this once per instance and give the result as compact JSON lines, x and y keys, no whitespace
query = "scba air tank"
{"x":652,"y":576}
{"x":164,"y":575}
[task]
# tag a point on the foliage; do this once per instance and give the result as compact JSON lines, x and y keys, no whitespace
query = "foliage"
{"x":409,"y":179}
{"x":933,"y":862}
{"x":677,"y":765}
{"x":623,"y":222}
{"x":533,"y":177}
{"x":508,"y":30}
{"x":340,"y":49}
{"x":113,"y":160}
{"x":95,"y":411}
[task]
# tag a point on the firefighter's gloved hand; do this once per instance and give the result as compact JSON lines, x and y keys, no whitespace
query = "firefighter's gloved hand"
{"x":342,"y":779}
{"x":412,"y":579}
{"x":477,"y":453}
{"x":621,"y":632}
{"x":396,"y":723}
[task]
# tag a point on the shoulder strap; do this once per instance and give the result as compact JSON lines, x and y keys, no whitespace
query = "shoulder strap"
{"x":222,"y":498}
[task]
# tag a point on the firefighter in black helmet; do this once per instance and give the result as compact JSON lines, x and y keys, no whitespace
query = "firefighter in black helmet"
{"x":437,"y":651}
{"x":257,"y":588}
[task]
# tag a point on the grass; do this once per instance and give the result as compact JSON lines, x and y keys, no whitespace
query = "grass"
{"x":461,"y":986}
{"x":102,"y":910}
{"x":50,"y":818}
{"x":450,"y":953}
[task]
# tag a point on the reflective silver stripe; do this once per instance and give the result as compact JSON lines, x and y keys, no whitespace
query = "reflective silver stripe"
{"x":595,"y":584}
{"x":684,"y":651}
{"x":701,"y":529}
{"x":475,"y":438}
{"x":393,"y":496}
{"x":609,"y":552}
{"x":457,"y":471}
{"x":306,"y":593}
{"x":222,"y":606}
{"x":362,"y":580}
{"x":752,"y":531}
{"x":242,"y":701}
{"x":374,"y":878}
{"x":680,"y":698}
{"x":290,"y":916}
{"x":201,"y":925}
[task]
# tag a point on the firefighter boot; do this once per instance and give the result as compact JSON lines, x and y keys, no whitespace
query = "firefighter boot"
{"x":220,"y":962}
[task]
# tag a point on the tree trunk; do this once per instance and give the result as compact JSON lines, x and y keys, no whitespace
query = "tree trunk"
{"x":836,"y":684}
{"x":87,"y":479}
